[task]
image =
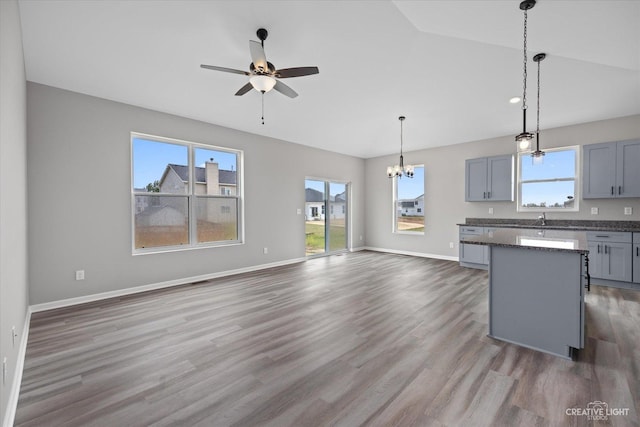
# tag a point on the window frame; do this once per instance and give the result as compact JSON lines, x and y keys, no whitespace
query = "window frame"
{"x":576,"y":180}
{"x":190,"y":195}
{"x":394,"y":214}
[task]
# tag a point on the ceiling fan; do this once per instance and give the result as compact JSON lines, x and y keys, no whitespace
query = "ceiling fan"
{"x":263,"y":74}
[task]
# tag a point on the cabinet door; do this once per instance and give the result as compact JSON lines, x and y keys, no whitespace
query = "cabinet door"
{"x":500,"y":179}
{"x":595,"y":259}
{"x":617,"y":261}
{"x":628,"y":169}
{"x":599,"y":171}
{"x":472,"y":253}
{"x":475,"y":185}
{"x":636,"y":263}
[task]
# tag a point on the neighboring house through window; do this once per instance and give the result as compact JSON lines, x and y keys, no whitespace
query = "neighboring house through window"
{"x":185,"y":194}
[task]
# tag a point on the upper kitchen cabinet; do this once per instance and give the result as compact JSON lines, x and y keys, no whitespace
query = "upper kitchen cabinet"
{"x":489,"y":179}
{"x":611,"y":170}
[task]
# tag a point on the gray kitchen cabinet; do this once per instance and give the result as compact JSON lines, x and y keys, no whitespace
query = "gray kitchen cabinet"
{"x":610,"y":170}
{"x":474,"y":256}
{"x":636,"y":257}
{"x":610,"y":255}
{"x":489,"y":179}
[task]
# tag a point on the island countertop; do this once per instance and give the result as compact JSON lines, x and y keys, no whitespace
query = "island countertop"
{"x":545,"y":240}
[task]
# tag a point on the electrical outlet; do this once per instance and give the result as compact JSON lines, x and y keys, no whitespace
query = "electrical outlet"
{"x":491,"y":211}
{"x":79,"y":274}
{"x":360,"y":237}
{"x":594,"y":211}
{"x":628,"y":211}
{"x":299,"y":211}
{"x":265,"y":250}
{"x":450,"y":245}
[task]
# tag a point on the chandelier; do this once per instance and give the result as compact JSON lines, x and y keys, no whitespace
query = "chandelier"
{"x":524,"y":139}
{"x":400,"y":169}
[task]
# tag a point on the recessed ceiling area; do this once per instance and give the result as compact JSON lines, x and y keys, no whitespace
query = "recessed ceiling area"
{"x":450,"y":67}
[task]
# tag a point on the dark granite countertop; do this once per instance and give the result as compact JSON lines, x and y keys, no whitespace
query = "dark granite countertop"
{"x":545,"y":240}
{"x":555,"y":224}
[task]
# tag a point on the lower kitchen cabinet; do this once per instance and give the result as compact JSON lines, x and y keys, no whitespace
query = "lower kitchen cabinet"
{"x":475,"y":256}
{"x":610,"y":256}
{"x":636,"y":257}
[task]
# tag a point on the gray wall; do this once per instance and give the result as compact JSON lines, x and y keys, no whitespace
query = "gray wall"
{"x":79,"y":186}
{"x":444,"y":188}
{"x":13,"y":191}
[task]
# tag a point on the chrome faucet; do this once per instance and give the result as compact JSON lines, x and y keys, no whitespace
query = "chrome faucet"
{"x":543,"y":219}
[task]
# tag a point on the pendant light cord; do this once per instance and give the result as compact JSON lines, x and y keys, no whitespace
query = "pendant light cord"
{"x":524,"y":80}
{"x":538,"y":112}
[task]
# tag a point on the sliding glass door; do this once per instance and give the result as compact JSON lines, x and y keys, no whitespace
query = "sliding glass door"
{"x":326,"y":214}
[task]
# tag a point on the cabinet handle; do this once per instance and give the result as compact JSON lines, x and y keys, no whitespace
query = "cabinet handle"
{"x":488,"y":194}
{"x":484,"y":195}
{"x":637,"y":250}
{"x":605,"y":249}
{"x":612,"y":192}
{"x":602,"y":237}
{"x":598,"y":248}
{"x":619,"y":189}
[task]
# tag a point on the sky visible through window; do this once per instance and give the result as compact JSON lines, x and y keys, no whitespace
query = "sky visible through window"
{"x":556,"y":165}
{"x":411,"y":188}
{"x":150,"y":159}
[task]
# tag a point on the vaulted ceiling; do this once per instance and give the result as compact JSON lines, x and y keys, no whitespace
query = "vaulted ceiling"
{"x":449,"y":66}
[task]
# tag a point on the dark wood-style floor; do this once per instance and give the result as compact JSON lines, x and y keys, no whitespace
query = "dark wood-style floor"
{"x":361,"y":339}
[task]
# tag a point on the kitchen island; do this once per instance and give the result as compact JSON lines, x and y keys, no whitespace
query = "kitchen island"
{"x":537,"y":280}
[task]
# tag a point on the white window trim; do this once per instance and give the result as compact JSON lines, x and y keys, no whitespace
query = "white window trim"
{"x":191,"y":146}
{"x":576,"y":207}
{"x":394,"y":212}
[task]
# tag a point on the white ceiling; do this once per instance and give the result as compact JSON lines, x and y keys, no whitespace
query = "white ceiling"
{"x":449,"y":66}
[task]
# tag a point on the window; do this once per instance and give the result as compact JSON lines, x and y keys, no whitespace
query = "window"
{"x":185,"y":195}
{"x":551,"y":185}
{"x":408,"y":203}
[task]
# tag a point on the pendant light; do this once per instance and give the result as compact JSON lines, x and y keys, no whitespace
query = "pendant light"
{"x":538,"y":156}
{"x":400,"y":169}
{"x":524,"y":139}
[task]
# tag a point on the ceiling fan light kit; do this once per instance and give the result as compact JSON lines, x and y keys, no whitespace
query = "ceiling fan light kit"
{"x":263,"y":75}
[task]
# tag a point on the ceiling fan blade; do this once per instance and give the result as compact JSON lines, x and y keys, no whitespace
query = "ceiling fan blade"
{"x":244,"y":89}
{"x":296,"y":72}
{"x":285,"y":90}
{"x":258,"y":57}
{"x":226,"y":70}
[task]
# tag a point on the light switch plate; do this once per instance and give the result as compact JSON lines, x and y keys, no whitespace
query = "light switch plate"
{"x":299,"y":211}
{"x":594,"y":211}
{"x":628,"y":211}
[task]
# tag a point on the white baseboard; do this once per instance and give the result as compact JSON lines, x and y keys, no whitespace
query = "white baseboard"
{"x":14,"y":393}
{"x":418,"y":254}
{"x":129,"y":291}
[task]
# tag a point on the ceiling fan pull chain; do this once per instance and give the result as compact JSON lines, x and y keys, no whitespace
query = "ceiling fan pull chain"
{"x":262,"y":107}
